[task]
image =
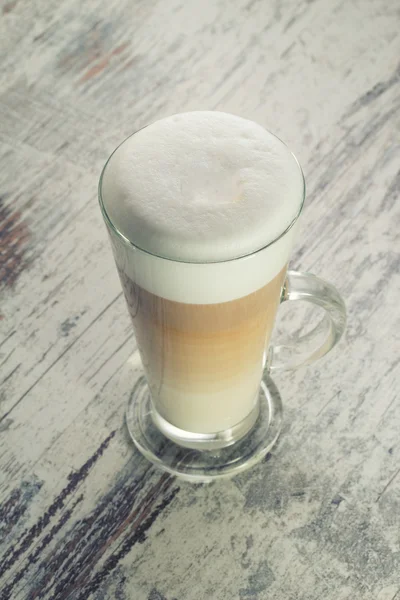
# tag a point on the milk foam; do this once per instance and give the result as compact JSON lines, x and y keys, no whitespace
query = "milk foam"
{"x":208,"y":283}
{"x":194,"y":190}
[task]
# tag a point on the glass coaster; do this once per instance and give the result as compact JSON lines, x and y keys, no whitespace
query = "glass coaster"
{"x":198,"y":465}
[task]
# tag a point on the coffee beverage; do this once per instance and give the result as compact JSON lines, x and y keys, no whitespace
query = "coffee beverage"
{"x":201,"y":210}
{"x":203,"y":362}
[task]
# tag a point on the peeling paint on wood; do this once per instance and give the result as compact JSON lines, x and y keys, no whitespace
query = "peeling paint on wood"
{"x":14,"y":239}
{"x":82,"y":514}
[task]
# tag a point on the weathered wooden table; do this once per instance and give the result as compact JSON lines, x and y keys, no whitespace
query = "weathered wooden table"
{"x":82,"y":514}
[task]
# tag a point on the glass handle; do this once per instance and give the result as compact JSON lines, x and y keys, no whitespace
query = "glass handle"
{"x":304,"y":350}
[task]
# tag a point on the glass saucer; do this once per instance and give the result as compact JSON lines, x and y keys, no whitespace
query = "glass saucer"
{"x":201,"y":465}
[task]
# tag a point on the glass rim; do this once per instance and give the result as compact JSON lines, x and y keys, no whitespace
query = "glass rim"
{"x":131,"y":244}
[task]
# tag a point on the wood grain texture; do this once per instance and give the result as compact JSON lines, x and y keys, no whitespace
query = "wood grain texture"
{"x":82,"y":515}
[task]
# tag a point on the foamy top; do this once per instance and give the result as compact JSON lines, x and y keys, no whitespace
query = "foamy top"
{"x":202,"y":187}
{"x":194,"y":190}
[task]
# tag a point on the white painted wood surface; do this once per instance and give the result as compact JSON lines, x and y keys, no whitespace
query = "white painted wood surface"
{"x":82,"y":515}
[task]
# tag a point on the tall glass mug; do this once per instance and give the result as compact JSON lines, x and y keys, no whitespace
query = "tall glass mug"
{"x":202,"y":403}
